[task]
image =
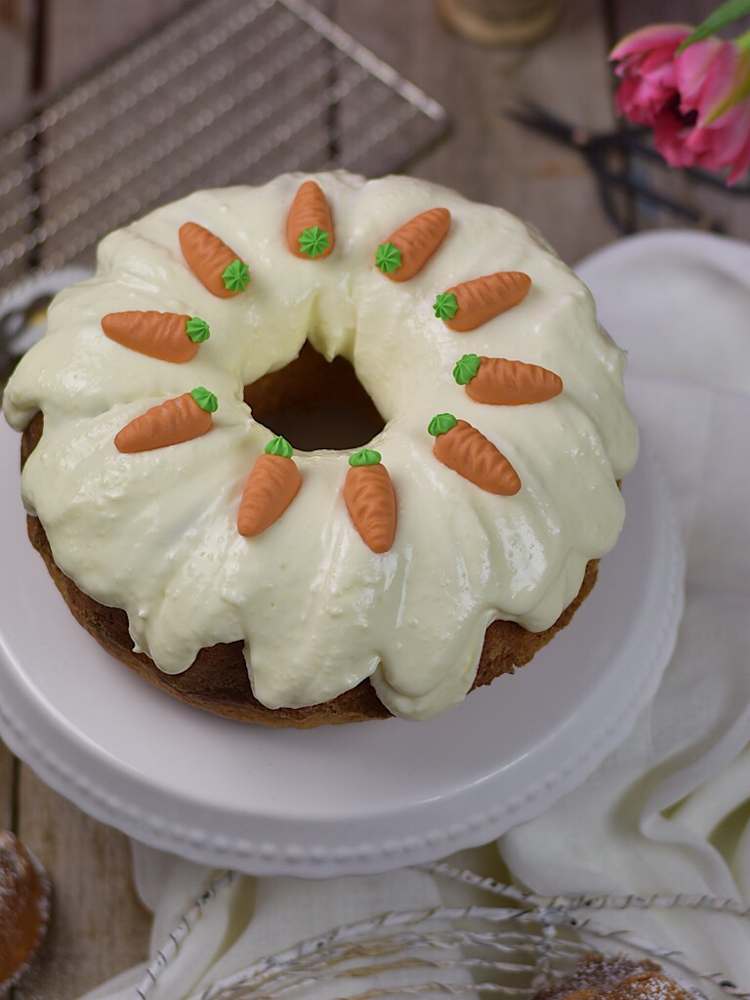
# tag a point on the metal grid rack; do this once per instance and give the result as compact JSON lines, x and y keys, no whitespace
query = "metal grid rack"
{"x":524,"y":944}
{"x":230,"y":91}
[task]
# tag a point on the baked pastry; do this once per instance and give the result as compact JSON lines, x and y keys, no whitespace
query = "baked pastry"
{"x":618,"y":977}
{"x":361,"y":581}
{"x":24,"y":908}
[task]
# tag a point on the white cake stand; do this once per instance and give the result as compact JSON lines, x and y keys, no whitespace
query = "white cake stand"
{"x":338,"y":800}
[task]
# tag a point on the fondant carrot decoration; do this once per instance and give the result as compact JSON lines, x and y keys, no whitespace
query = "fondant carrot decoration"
{"x":472,"y":303}
{"x":406,"y":252}
{"x":272,"y":484}
{"x":468,"y":452}
{"x":371,"y":500}
{"x":176,"y":420}
{"x":503,"y":382}
{"x":215,"y":265}
{"x":309,"y":225}
{"x":163,"y":335}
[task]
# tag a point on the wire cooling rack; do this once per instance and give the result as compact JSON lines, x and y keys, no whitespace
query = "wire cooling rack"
{"x":229,"y":91}
{"x":524,"y":944}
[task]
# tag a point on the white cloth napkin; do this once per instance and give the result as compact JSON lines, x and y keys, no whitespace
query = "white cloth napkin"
{"x":670,"y":810}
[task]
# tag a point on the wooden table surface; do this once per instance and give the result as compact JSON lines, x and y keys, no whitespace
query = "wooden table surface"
{"x":99,"y":926}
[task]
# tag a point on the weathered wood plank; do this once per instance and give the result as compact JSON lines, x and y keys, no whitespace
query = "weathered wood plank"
{"x":17,"y":70}
{"x":15,"y":75}
{"x":16,"y":57}
{"x":486,"y":156}
{"x":81,"y":33}
{"x":6,"y":788}
{"x":98,"y":926}
{"x":79,"y":37}
{"x":632,"y":14}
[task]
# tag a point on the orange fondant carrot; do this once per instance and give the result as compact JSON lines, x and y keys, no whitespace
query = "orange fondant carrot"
{"x":371,"y":500}
{"x":468,"y":452}
{"x":503,"y":382}
{"x":215,"y":265}
{"x":309,"y":225}
{"x":472,"y":303}
{"x":272,"y":484}
{"x":172,"y":422}
{"x":406,"y":252}
{"x":163,"y":335}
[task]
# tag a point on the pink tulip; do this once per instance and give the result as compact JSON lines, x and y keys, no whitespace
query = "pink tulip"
{"x":688,"y":99}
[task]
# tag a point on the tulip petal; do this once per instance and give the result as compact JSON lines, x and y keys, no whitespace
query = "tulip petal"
{"x":734,"y":138}
{"x":650,"y":37}
{"x":669,"y":140}
{"x":696,"y":102}
{"x":658,"y":65}
{"x":719,"y":81}
{"x":691,"y":69}
{"x":726,"y":147}
{"x":700,"y":142}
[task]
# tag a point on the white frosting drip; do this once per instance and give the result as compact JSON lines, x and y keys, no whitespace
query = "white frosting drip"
{"x":155,"y":533}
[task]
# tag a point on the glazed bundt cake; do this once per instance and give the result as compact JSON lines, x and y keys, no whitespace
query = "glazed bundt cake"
{"x":264,"y":578}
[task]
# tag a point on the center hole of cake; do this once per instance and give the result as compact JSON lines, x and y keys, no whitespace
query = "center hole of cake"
{"x":315,"y":403}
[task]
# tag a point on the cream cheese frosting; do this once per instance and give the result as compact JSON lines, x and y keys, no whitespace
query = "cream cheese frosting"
{"x":155,"y":532}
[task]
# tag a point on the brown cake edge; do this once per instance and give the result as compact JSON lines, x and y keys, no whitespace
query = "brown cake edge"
{"x":217,"y":681}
